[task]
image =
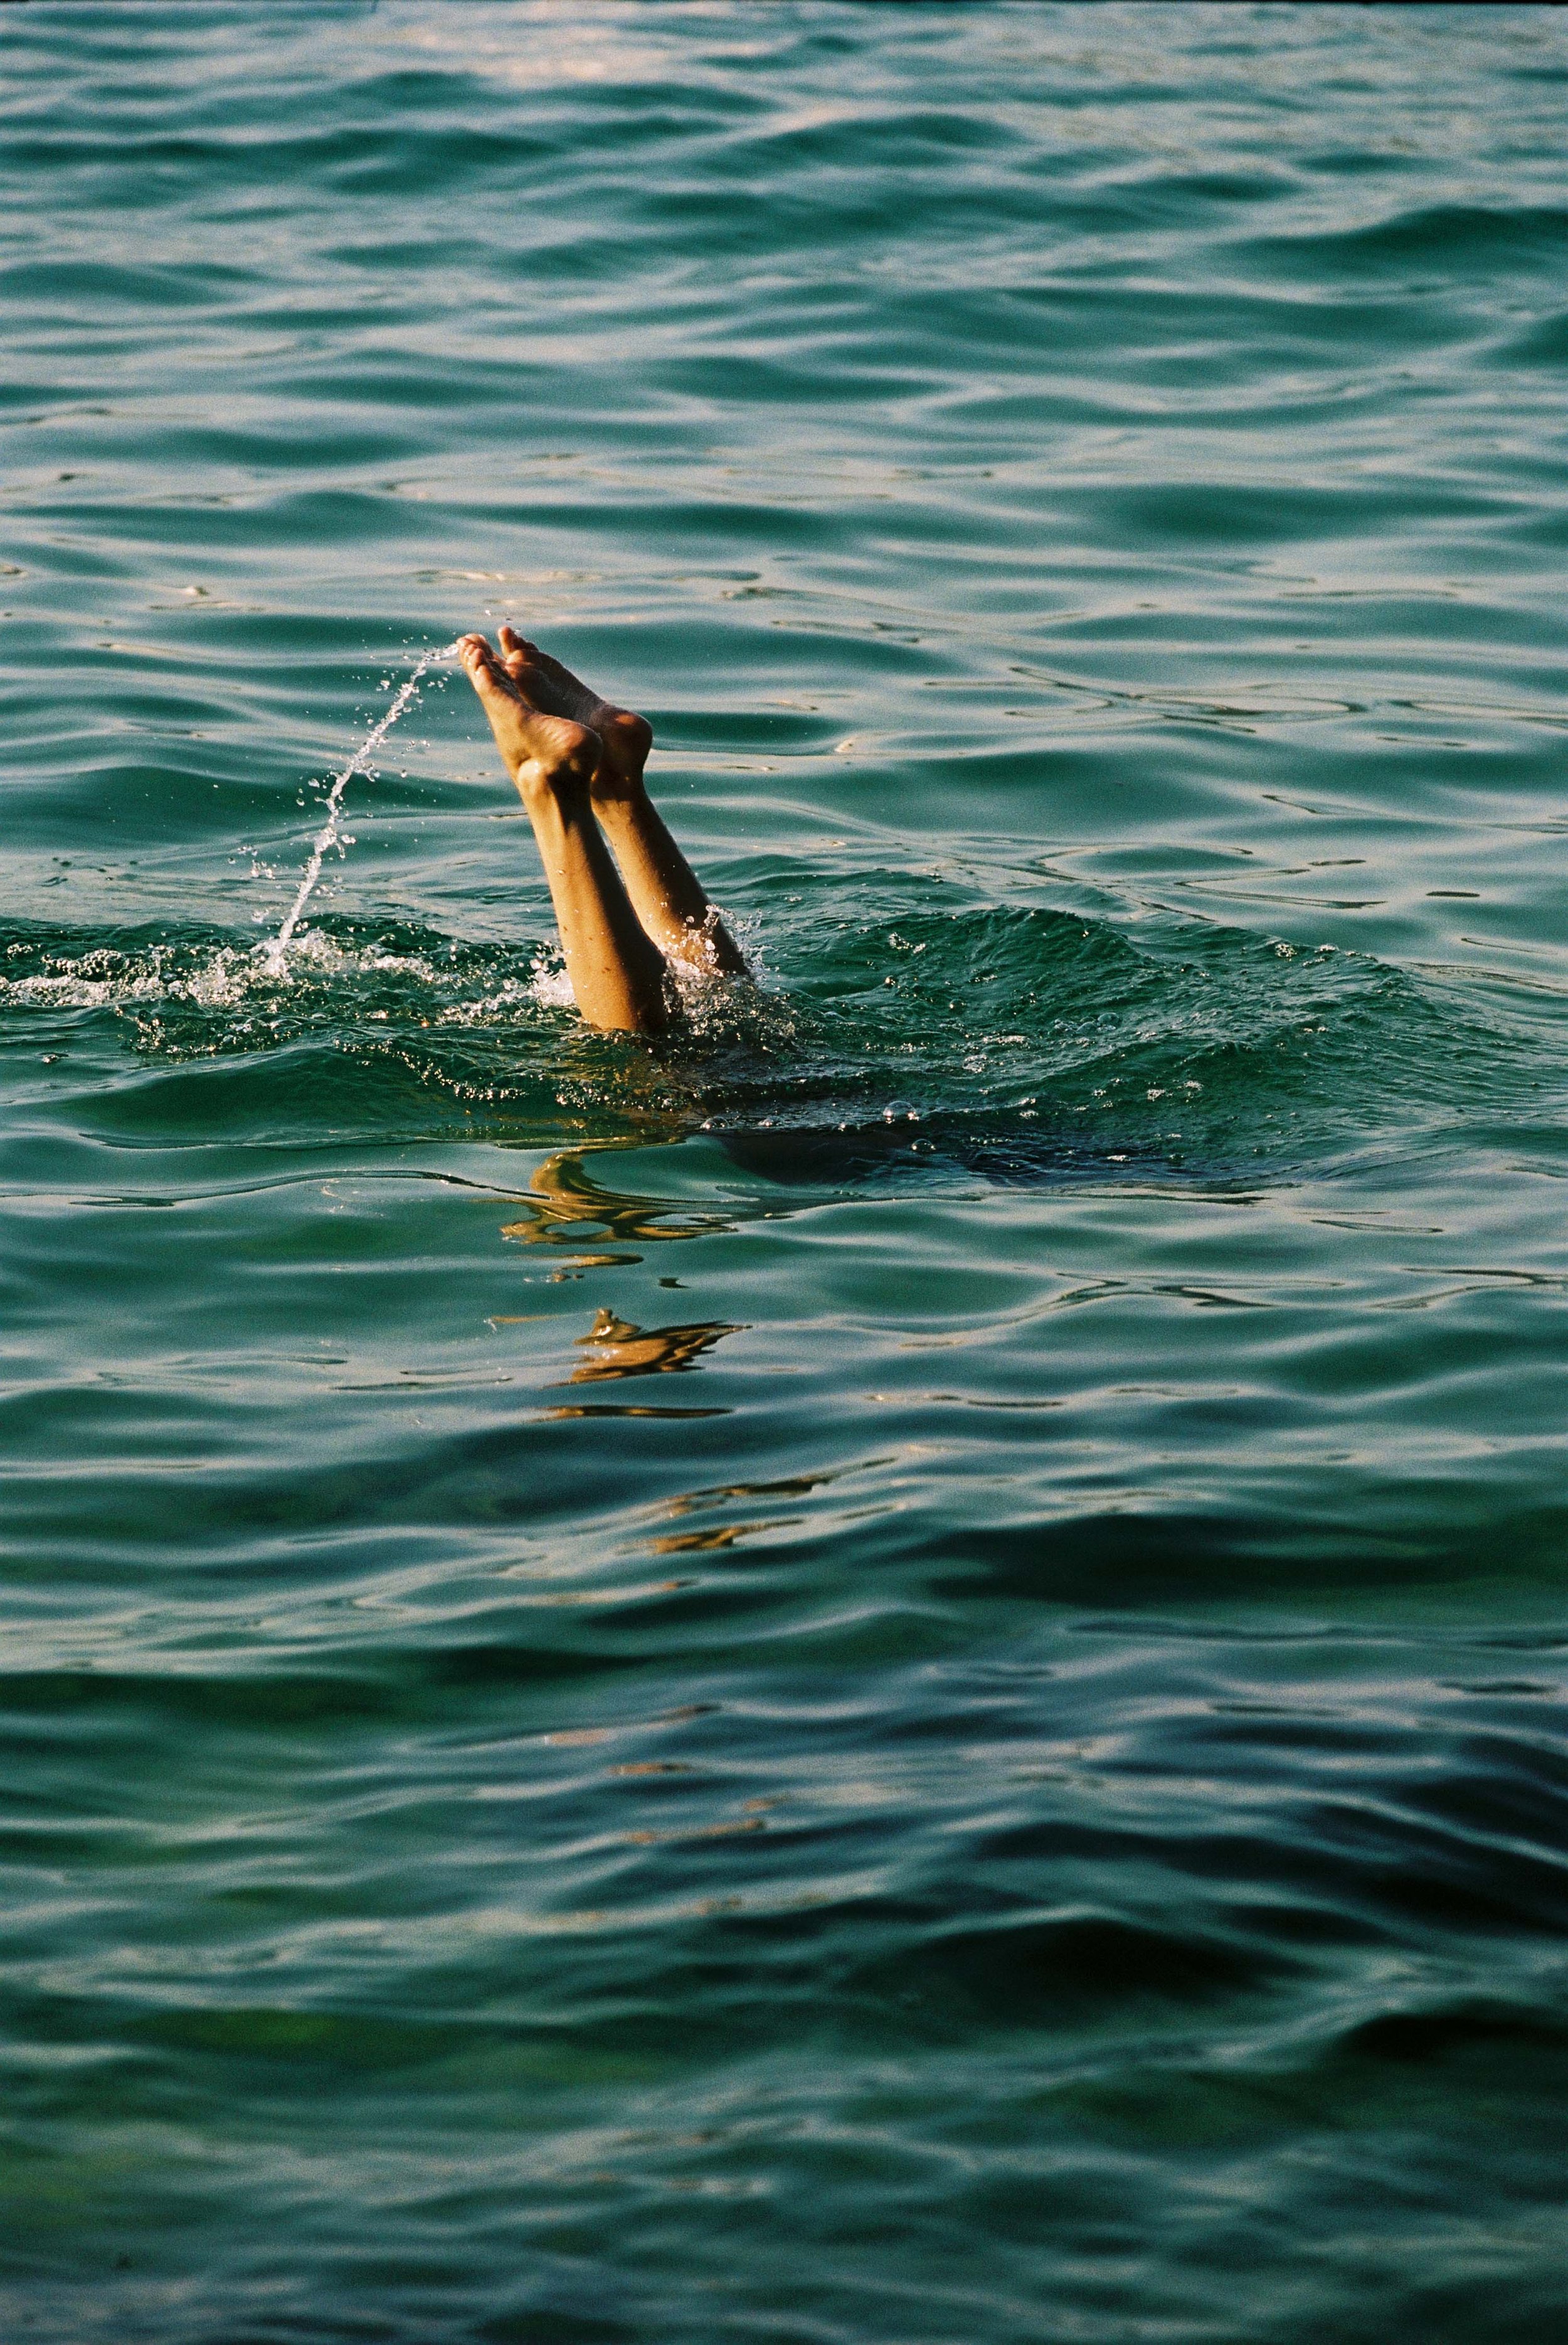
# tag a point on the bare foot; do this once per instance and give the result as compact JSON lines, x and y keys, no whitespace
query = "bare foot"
{"x":541,"y":712}
{"x":626,"y":737}
{"x":617,"y":971}
{"x":541,"y":747}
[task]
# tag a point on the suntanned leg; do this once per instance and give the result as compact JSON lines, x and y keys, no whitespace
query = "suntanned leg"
{"x":617,"y":973}
{"x":666,"y":891}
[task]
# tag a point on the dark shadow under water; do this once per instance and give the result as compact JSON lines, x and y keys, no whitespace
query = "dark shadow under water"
{"x":999,"y":1149}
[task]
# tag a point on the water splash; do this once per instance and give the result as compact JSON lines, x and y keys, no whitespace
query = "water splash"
{"x":275,"y":952}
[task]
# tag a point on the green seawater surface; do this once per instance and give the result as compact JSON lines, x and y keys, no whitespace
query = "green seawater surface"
{"x":894,"y":1677}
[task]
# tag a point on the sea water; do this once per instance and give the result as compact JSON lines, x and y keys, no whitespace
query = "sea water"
{"x":896,"y":1675}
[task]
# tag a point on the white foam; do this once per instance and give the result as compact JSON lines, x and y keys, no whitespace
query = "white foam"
{"x":549,"y":984}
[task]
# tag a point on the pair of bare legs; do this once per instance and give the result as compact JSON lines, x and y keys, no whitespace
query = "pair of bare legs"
{"x":627,"y":902}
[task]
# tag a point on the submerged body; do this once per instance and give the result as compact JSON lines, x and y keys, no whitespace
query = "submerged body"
{"x":627,"y":902}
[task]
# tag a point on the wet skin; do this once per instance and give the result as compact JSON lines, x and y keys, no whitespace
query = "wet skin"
{"x":578,"y":762}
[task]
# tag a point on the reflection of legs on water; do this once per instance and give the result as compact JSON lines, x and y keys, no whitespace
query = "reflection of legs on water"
{"x":578,"y":762}
{"x":566,"y":1200}
{"x":616,"y":1348}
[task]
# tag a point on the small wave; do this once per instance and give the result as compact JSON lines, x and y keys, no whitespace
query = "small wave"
{"x":1480,"y":2027}
{"x":1448,"y":236}
{"x":894,"y":1027}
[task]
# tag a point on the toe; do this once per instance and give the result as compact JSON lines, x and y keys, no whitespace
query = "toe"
{"x":518,"y":655}
{"x":485,"y":672}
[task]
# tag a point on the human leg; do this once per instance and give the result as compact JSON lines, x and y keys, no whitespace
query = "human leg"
{"x":665,"y":892}
{"x":617,"y":971}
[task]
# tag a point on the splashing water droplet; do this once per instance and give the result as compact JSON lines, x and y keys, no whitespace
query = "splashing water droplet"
{"x":275,"y":950}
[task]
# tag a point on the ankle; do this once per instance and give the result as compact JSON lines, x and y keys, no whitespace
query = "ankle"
{"x":561,"y":788}
{"x":619,"y":799}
